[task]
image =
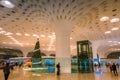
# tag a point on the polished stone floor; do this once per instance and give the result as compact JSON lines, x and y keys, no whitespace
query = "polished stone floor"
{"x":20,"y":74}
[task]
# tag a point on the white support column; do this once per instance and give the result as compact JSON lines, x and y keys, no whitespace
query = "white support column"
{"x":63,"y":46}
{"x":63,"y":53}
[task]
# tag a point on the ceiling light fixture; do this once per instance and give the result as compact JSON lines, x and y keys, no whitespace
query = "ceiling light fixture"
{"x":16,"y":42}
{"x":26,"y":34}
{"x":107,"y":32}
{"x":2,"y":32}
{"x":115,"y":28}
{"x":104,"y":18}
{"x":50,"y":36}
{"x":8,"y":33}
{"x":51,"y":42}
{"x":7,"y":3}
{"x":35,"y":35}
{"x":53,"y":33}
{"x":114,"y":20}
{"x":42,"y":35}
{"x":18,"y":34}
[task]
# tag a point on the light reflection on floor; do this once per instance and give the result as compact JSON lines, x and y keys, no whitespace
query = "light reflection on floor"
{"x":20,"y":74}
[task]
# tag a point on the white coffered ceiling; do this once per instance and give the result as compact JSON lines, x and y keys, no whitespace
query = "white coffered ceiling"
{"x":93,"y":20}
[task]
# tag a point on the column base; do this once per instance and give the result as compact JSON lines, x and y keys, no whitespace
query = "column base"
{"x":65,"y":64}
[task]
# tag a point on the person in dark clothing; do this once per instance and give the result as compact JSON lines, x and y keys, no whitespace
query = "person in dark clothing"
{"x":6,"y":71}
{"x":114,"y":69}
{"x":58,"y":69}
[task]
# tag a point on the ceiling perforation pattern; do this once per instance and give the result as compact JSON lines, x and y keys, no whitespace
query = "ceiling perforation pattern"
{"x":94,"y":19}
{"x":31,"y":18}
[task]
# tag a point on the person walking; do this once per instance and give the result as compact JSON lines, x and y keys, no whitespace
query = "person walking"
{"x":58,"y":69}
{"x":110,"y":67}
{"x":6,"y":71}
{"x":114,"y":69}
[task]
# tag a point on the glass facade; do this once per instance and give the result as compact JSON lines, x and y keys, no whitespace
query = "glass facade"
{"x":84,"y":55}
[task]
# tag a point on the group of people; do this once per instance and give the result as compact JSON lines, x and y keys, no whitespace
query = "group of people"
{"x":113,"y":68}
{"x":7,"y":67}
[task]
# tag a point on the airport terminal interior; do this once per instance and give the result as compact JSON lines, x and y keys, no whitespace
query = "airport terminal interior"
{"x":60,"y":39}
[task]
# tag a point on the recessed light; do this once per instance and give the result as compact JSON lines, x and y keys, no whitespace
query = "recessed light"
{"x":7,"y":4}
{"x":53,"y":33}
{"x":115,"y":28}
{"x":104,"y":18}
{"x":2,"y":32}
{"x":8,"y":33}
{"x":70,"y":37}
{"x":18,"y":34}
{"x":26,"y":34}
{"x":107,"y":32}
{"x":50,"y":36}
{"x":42,"y":35}
{"x":114,"y":20}
{"x":35,"y":35}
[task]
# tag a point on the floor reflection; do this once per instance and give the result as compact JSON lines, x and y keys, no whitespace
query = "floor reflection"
{"x":20,"y":74}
